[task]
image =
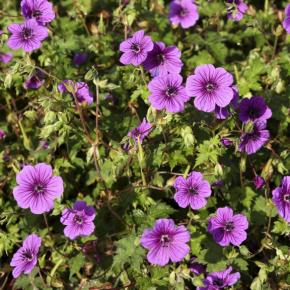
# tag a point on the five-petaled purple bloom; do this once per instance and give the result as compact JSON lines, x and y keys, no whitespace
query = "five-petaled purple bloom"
{"x":220,"y":280}
{"x":259,"y":181}
{"x":40,"y":10}
{"x":254,"y":109}
{"x":192,"y":191}
{"x":136,"y":48}
{"x":196,"y":267}
{"x":79,"y":220}
{"x":183,"y":12}
{"x":281,"y":198}
{"x":223,"y":113}
{"x":25,"y":259}
{"x":210,"y":87}
{"x":27,"y":35}
{"x":81,"y":90}
{"x":37,"y":188}
{"x":252,"y":141}
{"x":163,"y":60}
{"x":80,"y":58}
{"x":5,"y":57}
{"x":165,"y":241}
{"x":228,"y":228}
{"x":237,"y":9}
{"x":140,"y":132}
{"x":286,"y":22}
{"x":167,"y":92}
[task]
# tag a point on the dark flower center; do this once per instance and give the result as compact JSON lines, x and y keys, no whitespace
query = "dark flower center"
{"x":26,"y":33}
{"x":78,"y":219}
{"x":171,"y":91}
{"x":218,"y":282}
{"x":192,"y":190}
{"x":38,"y":188}
{"x":36,"y":13}
{"x":160,"y":58}
{"x":165,"y":240}
{"x":287,"y":198}
{"x":229,"y":226}
{"x":210,"y":87}
{"x":183,"y":12}
{"x":28,"y":256}
{"x":135,"y":47}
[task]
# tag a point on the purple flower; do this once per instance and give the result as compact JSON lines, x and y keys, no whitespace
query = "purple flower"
{"x":220,"y":280}
{"x":228,"y":228}
{"x":252,"y":141}
{"x":281,"y":198}
{"x":226,"y":142}
{"x":163,"y":60}
{"x":79,"y":220}
{"x":254,"y":109}
{"x":25,"y":259}
{"x":2,"y":134}
{"x":165,"y":242}
{"x":167,"y":92}
{"x":183,"y":12}
{"x":40,"y":10}
{"x":81,"y":91}
{"x":192,"y":191}
{"x":259,"y":181}
{"x":141,"y":131}
{"x":196,"y":267}
{"x":5,"y":57}
{"x":223,"y":113}
{"x":286,"y":22}
{"x":211,"y":87}
{"x":136,"y":48}
{"x":27,"y":35}
{"x":237,"y":9}
{"x":37,"y":188}
{"x":80,"y":58}
{"x":217,"y":183}
{"x":44,"y":144}
{"x":33,"y":82}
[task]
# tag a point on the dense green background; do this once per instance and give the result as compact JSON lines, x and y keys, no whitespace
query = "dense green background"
{"x":255,"y":51}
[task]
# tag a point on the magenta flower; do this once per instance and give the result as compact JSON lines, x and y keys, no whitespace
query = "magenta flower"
{"x":286,"y":22}
{"x":251,"y":142}
{"x":141,"y":131}
{"x":228,"y":228}
{"x":259,"y":181}
{"x":196,"y":267}
{"x":183,"y":12}
{"x":167,"y":92}
{"x":226,"y":142}
{"x":210,"y":87}
{"x":25,"y":259}
{"x":281,"y":198}
{"x":136,"y":48}
{"x":79,"y":220}
{"x":220,"y":280}
{"x":224,"y":113}
{"x":40,"y":10}
{"x":80,"y":58}
{"x":6,"y":57}
{"x":37,"y":188}
{"x":254,"y":109}
{"x":163,"y":60}
{"x":237,"y":9}
{"x":27,"y":35}
{"x":192,"y":191}
{"x":82,"y":91}
{"x":2,"y":134}
{"x":165,"y":241}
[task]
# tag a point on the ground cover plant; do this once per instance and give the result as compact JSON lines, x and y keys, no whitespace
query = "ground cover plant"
{"x":144,"y":144}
